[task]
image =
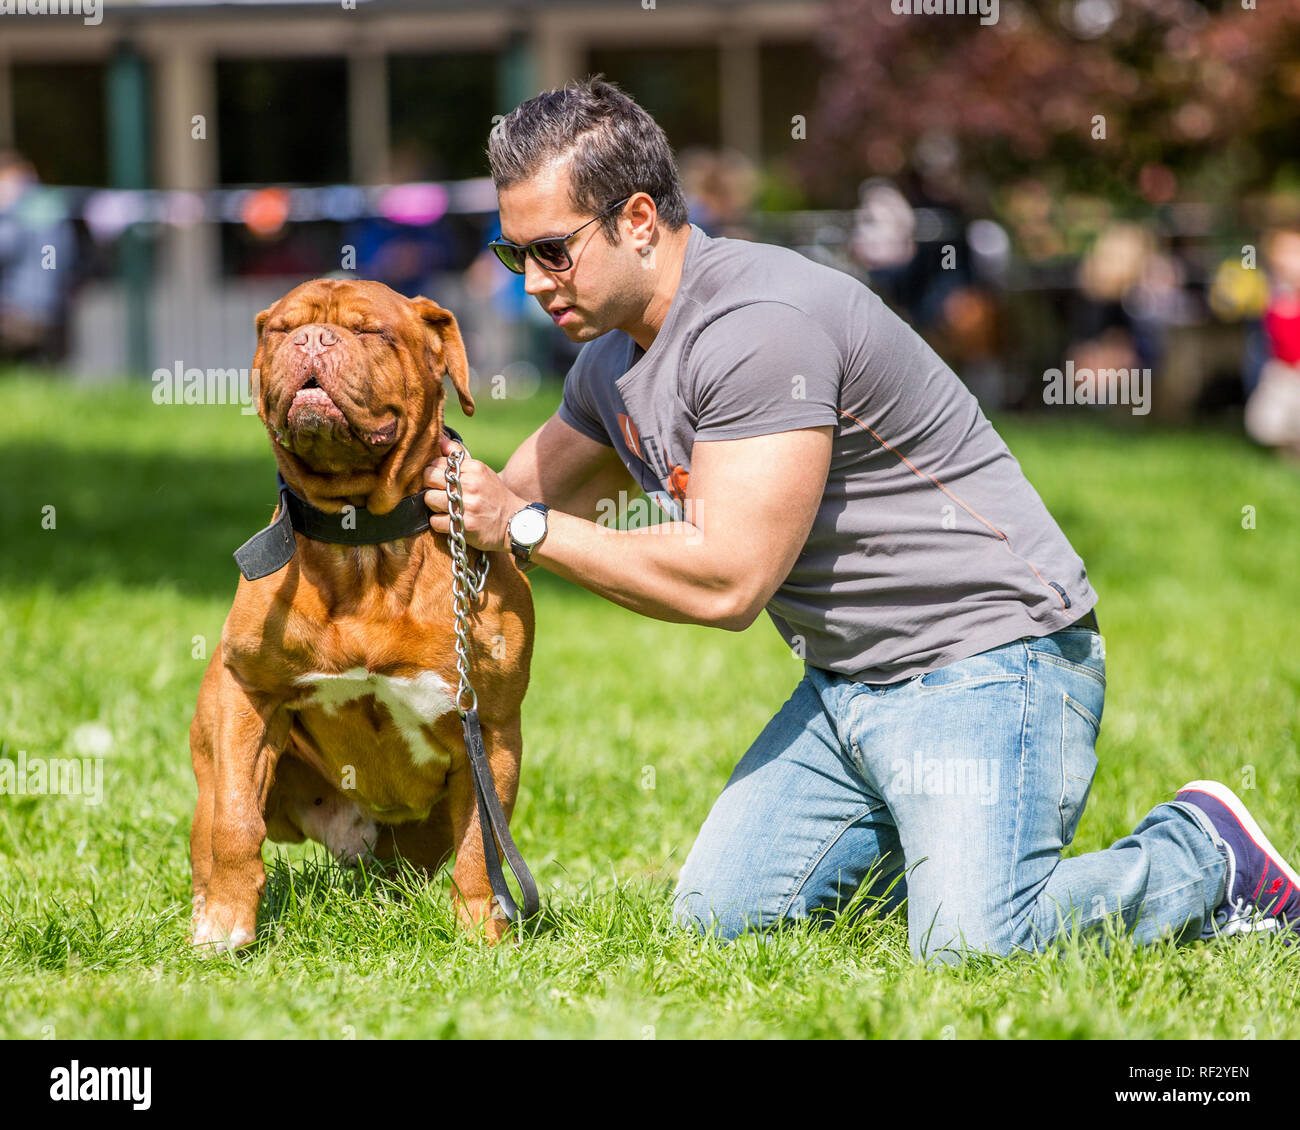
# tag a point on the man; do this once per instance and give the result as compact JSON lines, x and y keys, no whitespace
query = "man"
{"x":826,"y":466}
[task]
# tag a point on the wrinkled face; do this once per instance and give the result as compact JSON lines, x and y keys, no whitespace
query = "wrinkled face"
{"x":349,"y":373}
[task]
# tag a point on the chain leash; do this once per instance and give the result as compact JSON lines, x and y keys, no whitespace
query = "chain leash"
{"x":491,"y":817}
{"x":468,"y":586}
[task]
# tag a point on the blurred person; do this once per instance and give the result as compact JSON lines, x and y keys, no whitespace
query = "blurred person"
{"x":936,"y":286}
{"x":822,"y":464}
{"x":1240,"y":294}
{"x":493,"y":311}
{"x":410,"y":258}
{"x":720,"y":188}
{"x":969,"y":337}
{"x":1273,"y":409}
{"x":1129,"y":291}
{"x":1108,"y":274}
{"x":884,"y":239}
{"x":507,"y":326}
{"x":37,"y":262}
{"x":407,"y":257}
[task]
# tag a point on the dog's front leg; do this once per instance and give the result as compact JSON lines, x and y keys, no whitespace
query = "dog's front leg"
{"x":251,"y":733}
{"x":476,"y":906}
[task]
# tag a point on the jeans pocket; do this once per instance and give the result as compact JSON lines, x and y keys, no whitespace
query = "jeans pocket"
{"x":1004,"y":664}
{"x":1079,"y":727}
{"x":1080,"y":650}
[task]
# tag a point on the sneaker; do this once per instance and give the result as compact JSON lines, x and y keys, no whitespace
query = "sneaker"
{"x":1263,"y":890}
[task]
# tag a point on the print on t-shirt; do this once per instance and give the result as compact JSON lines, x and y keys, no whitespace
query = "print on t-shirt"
{"x":665,"y":485}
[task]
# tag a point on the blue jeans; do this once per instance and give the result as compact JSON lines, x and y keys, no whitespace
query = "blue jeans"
{"x":957,"y":790}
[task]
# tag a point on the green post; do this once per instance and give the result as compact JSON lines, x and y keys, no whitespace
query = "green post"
{"x":515,"y":71}
{"x":515,"y":84}
{"x":128,"y":154}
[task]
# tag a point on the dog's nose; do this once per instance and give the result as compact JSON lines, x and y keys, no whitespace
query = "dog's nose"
{"x":315,"y":339}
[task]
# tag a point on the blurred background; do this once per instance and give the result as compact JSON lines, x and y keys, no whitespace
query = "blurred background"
{"x":1111,"y":184}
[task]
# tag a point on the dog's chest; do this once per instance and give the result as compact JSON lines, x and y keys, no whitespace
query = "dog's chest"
{"x":412,"y":704}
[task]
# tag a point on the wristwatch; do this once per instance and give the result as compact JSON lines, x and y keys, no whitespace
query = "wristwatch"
{"x":527,"y":529}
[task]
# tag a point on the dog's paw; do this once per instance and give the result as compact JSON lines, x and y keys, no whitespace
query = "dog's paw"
{"x":218,"y":932}
{"x":497,"y":928}
{"x":484,"y":918}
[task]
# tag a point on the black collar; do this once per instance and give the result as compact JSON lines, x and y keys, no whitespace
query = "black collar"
{"x":271,"y":549}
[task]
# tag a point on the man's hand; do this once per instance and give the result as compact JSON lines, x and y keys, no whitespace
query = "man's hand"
{"x":489,"y":503}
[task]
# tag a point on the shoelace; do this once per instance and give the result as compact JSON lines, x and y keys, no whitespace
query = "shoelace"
{"x":1241,"y":916}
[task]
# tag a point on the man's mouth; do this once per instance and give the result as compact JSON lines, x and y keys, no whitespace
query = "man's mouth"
{"x":559,"y":313}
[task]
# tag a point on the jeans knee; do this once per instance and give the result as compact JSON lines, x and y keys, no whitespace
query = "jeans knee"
{"x":719,"y":914}
{"x":953,"y":939}
{"x":957,"y":951}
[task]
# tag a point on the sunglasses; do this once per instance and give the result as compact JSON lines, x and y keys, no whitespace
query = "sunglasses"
{"x":551,"y":252}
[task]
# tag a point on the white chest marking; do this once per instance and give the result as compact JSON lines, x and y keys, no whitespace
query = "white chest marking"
{"x":412,"y":701}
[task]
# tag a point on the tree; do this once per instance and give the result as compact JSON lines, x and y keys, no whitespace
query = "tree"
{"x":1127,"y":99}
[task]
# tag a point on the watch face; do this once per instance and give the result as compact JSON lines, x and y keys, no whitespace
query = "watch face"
{"x":528,"y":526}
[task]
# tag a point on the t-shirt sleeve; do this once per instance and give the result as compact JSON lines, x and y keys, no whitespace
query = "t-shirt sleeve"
{"x":576,"y":408}
{"x":765,"y":367}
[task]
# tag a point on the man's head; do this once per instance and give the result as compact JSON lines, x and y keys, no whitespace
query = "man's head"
{"x":564,"y":158}
{"x":16,"y":176}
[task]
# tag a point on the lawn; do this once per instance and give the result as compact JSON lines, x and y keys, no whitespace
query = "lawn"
{"x":631,"y":727}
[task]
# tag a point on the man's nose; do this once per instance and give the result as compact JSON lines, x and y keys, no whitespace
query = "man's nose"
{"x":537,"y":280}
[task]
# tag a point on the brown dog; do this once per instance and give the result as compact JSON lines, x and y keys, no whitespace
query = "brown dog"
{"x":328,"y":711}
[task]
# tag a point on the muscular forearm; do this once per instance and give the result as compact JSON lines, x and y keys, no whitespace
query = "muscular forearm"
{"x":670,"y":571}
{"x":720,"y":571}
{"x":522,"y":476}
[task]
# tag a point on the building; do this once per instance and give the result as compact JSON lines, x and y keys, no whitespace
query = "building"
{"x":196,"y":96}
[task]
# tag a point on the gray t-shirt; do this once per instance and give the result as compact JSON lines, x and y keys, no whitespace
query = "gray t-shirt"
{"x":929,"y":545}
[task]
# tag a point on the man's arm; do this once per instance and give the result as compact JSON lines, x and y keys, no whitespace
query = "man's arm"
{"x":567,"y":470}
{"x":750,"y":507}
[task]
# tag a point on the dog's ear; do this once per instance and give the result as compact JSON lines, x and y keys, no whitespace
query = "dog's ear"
{"x":260,"y":320}
{"x":453,"y":348}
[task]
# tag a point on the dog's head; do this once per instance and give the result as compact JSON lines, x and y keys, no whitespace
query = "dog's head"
{"x":350,"y":389}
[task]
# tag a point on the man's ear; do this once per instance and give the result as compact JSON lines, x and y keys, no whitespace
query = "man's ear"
{"x":453,"y":348}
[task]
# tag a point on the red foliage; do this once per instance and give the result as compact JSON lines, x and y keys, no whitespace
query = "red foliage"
{"x":1179,"y":83}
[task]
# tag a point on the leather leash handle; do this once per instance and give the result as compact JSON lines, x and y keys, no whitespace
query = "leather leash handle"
{"x":492,"y":822}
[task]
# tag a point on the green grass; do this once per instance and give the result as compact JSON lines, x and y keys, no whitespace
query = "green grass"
{"x":102,"y":617}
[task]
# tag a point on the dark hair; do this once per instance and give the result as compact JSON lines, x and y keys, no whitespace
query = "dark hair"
{"x":616,"y":148}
